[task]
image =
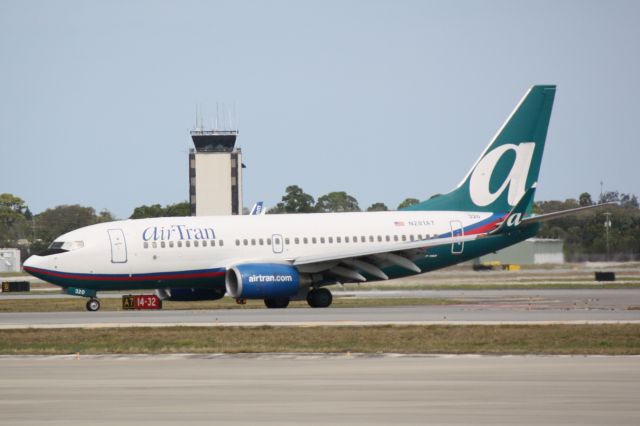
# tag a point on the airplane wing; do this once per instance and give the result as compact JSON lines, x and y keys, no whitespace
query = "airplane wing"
{"x":346,"y":263}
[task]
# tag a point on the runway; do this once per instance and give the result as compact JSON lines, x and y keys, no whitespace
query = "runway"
{"x":288,"y":389}
{"x":472,"y":307}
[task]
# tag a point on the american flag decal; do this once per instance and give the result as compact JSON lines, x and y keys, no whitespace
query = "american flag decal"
{"x":398,"y":223}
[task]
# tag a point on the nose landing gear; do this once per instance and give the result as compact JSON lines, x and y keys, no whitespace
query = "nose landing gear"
{"x":93,"y":305}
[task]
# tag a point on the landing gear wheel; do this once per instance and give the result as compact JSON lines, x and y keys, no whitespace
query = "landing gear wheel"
{"x":277,"y":303}
{"x":93,"y":305}
{"x":319,"y":298}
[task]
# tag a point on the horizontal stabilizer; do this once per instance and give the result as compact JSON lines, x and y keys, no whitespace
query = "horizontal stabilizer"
{"x":555,"y":215}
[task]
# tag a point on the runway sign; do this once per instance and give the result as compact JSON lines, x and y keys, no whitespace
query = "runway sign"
{"x":141,"y":301}
{"x":14,"y":286}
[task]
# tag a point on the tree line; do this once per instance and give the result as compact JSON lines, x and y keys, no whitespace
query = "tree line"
{"x":584,"y":234}
{"x":295,"y":200}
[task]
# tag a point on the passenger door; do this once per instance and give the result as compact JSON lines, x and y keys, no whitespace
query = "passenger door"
{"x":118,"y":246}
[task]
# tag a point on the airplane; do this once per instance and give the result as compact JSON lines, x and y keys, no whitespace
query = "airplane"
{"x":258,"y":209}
{"x":280,"y":257}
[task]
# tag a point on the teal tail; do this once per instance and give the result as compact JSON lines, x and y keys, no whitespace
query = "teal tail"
{"x":509,"y":166}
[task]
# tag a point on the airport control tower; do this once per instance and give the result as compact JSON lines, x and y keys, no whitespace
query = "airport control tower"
{"x":215,"y":173}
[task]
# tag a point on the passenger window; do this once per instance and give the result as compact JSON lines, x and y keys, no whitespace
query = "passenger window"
{"x":286,"y":241}
{"x":313,"y":240}
{"x":276,"y":241}
{"x":187,"y":244}
{"x":395,"y":238}
{"x":355,"y":239}
{"x":179,"y":243}
{"x":204,"y":244}
{"x":237,"y":242}
{"x":321,"y":240}
{"x":338,"y":240}
{"x":363,"y":239}
{"x":379,"y":238}
{"x":171,"y":244}
{"x":220,"y":243}
{"x":404,"y":237}
{"x":387,"y":238}
{"x":330,"y":240}
{"x":268,"y":241}
{"x":253,"y":241}
{"x":162,"y":245}
{"x":370,"y":238}
{"x":195,"y":244}
{"x":411,"y":237}
{"x":296,"y":240}
{"x":146,"y":244}
{"x":154,"y":244}
{"x":261,"y":241}
{"x":305,"y":240}
{"x":245,"y":242}
{"x":213,"y":243}
{"x":346,"y":239}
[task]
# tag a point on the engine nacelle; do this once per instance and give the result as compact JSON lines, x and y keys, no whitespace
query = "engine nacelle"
{"x":263,"y":281}
{"x":189,"y":294}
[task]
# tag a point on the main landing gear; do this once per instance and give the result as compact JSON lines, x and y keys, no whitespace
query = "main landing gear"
{"x":319,"y":298}
{"x":277,"y":303}
{"x":93,"y":305}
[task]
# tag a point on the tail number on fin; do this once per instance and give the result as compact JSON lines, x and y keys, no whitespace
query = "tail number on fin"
{"x":516,"y":180}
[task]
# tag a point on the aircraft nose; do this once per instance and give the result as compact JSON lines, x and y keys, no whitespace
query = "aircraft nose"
{"x":33,"y":261}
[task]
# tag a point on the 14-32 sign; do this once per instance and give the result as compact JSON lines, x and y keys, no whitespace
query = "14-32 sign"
{"x":141,"y":301}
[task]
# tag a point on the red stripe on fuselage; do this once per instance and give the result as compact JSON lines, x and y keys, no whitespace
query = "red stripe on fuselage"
{"x":91,"y":277}
{"x":488,"y":227}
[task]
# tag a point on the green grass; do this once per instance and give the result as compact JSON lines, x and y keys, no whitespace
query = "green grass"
{"x":610,"y":339}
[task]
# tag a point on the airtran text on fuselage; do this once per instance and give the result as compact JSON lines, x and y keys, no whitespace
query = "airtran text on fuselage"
{"x":177,"y":232}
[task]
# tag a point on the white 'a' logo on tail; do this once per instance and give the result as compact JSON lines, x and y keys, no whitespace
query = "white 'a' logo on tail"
{"x":479,"y":183}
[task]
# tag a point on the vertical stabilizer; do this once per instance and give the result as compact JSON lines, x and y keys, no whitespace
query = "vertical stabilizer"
{"x":510,"y":164}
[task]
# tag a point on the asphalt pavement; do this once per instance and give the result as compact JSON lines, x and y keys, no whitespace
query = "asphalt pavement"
{"x":290,"y":389}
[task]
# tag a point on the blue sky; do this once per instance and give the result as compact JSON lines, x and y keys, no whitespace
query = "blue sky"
{"x":382,"y":99}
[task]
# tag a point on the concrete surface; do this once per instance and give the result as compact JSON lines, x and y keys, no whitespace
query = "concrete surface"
{"x":349,"y":390}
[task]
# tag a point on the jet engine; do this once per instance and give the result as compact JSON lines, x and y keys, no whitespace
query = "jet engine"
{"x":264,"y":281}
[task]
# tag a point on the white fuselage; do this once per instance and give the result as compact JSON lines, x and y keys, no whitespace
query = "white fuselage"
{"x":192,"y":243}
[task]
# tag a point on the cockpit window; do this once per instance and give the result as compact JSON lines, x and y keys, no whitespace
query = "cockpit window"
{"x":58,"y":247}
{"x":72,"y":245}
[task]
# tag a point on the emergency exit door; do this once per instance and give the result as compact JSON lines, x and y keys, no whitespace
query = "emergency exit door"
{"x":457,"y":231}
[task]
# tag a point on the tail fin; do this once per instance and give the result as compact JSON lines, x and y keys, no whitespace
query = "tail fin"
{"x":509,"y":165}
{"x":257,"y":209}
